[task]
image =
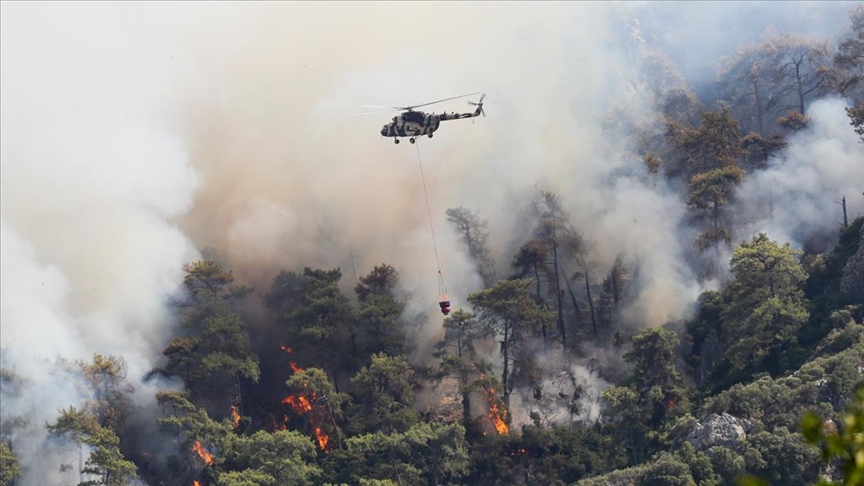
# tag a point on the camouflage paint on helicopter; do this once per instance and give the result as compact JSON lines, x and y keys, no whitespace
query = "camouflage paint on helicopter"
{"x":416,"y":123}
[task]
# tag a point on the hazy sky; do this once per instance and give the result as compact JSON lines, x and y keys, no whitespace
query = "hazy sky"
{"x":136,"y":134}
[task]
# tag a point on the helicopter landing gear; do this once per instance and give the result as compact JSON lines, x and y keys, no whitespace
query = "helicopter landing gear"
{"x":396,"y":141}
{"x":411,"y":139}
{"x":430,"y":135}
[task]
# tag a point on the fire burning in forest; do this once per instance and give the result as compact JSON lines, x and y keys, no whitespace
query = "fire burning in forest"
{"x":235,"y":417}
{"x":294,"y":367}
{"x":322,"y":438}
{"x":300,"y":404}
{"x":496,"y":414}
{"x":202,"y":452}
{"x":304,"y":406}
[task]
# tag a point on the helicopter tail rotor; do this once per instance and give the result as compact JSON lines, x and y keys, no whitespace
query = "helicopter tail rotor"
{"x":479,"y":104}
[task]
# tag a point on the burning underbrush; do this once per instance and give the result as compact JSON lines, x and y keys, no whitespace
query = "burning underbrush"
{"x":235,"y":417}
{"x":307,"y":404}
{"x":203,"y":453}
{"x":487,"y":407}
{"x":497,"y":415}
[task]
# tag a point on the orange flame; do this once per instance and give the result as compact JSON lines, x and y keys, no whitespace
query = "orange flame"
{"x":195,"y":483}
{"x":202,"y":452}
{"x":300,"y":404}
{"x":303,"y":405}
{"x":496,"y":415}
{"x":235,"y":416}
{"x":294,"y":366}
{"x":322,"y":438}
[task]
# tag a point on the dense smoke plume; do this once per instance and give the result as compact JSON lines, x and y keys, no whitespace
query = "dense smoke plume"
{"x":134,"y":135}
{"x":286,"y":181}
{"x":796,"y":198}
{"x":91,"y":177}
{"x":696,"y":35}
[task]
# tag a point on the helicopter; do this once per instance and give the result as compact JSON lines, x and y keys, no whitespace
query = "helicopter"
{"x":415,"y":124}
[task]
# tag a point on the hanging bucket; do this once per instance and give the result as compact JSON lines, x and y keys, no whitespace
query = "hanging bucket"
{"x":445,"y":306}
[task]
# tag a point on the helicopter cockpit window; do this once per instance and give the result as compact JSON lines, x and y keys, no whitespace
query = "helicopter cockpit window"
{"x":413,"y":116}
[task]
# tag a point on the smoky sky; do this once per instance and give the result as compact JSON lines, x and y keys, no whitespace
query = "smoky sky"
{"x":697,"y":34}
{"x":137,"y":135}
{"x":798,"y":198}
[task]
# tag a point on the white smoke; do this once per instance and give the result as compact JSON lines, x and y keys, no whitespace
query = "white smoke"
{"x":92,"y":177}
{"x":130,"y":131}
{"x":568,"y":391}
{"x":288,"y":182}
{"x":796,"y":198}
{"x":697,"y":34}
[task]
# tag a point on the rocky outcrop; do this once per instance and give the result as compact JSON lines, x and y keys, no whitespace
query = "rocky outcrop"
{"x":852,"y":281}
{"x":718,"y":430}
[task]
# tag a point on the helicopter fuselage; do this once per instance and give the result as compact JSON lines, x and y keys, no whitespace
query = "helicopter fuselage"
{"x":416,"y":123}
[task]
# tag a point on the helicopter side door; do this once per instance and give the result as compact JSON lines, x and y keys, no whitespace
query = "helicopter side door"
{"x":414,"y":122}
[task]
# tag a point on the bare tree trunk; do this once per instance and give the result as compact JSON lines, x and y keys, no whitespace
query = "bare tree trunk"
{"x":466,"y":407}
{"x":238,"y":394}
{"x":800,"y":84}
{"x":845,"y":216}
{"x":591,"y":303}
{"x":540,"y":298}
{"x":558,"y":295}
{"x":558,"y":282}
{"x":573,"y":300}
{"x":332,"y":419}
{"x":506,"y":371}
{"x":759,"y":114}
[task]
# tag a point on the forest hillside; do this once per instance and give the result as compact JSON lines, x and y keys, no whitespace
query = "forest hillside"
{"x":650,"y":251}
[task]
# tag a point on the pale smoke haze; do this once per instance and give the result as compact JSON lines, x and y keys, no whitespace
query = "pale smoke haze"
{"x":796,"y":198}
{"x":134,"y":135}
{"x":287,"y":181}
{"x":91,"y":176}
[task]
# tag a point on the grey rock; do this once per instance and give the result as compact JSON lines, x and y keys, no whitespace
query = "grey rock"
{"x":718,"y":430}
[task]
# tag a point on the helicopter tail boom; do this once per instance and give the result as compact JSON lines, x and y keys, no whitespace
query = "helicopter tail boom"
{"x":457,"y":116}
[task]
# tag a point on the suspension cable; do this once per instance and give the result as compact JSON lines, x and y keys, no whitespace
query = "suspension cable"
{"x":441,"y":288}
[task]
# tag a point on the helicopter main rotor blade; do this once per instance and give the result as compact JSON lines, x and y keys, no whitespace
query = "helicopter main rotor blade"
{"x":369,"y":113}
{"x":439,"y":101}
{"x":384,"y":107}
